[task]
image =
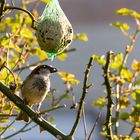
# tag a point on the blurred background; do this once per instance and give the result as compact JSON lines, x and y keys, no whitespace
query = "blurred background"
{"x":92,"y":17}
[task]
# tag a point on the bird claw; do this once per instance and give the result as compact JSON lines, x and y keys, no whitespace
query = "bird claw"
{"x":37,"y":111}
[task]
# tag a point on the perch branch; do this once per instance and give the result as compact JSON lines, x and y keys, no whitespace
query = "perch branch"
{"x":41,"y":113}
{"x":39,"y":120}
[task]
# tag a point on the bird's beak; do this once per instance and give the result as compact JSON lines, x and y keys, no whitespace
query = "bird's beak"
{"x":53,"y":70}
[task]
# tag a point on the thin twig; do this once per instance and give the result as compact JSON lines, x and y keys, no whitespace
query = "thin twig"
{"x":132,"y":130}
{"x":109,"y":97}
{"x":26,"y":11}
{"x":52,"y":109}
{"x":84,"y":122}
{"x":31,"y":65}
{"x":41,"y":61}
{"x":20,"y":130}
{"x":2,"y":66}
{"x":60,"y":98}
{"x":94,"y":125}
{"x":117,"y":113}
{"x":11,"y":74}
{"x":81,"y":104}
{"x":128,"y":50}
{"x":28,"y":129}
{"x":19,"y":58}
{"x":7,"y":127}
{"x":7,"y":115}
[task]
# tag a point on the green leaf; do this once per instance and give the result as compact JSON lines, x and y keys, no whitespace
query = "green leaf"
{"x":136,"y":138}
{"x":137,"y":82}
{"x":128,"y":12}
{"x":136,"y":110}
{"x":124,"y":116}
{"x":136,"y":95}
{"x":103,"y":133}
{"x":2,"y":128}
{"x":135,"y":115}
{"x":52,"y":118}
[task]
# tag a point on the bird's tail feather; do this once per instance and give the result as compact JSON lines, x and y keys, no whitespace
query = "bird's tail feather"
{"x":22,"y":116}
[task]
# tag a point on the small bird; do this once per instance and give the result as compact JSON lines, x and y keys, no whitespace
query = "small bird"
{"x":54,"y":31}
{"x":35,"y":88}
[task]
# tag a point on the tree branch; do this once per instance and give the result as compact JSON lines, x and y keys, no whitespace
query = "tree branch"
{"x":83,"y":97}
{"x":26,"y":11}
{"x":109,"y":98}
{"x":130,"y":47}
{"x":41,"y":61}
{"x":17,"y":132}
{"x":2,"y":3}
{"x":37,"y":119}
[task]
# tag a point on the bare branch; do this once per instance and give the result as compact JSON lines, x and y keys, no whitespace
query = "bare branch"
{"x":26,"y":11}
{"x":109,"y":97}
{"x":79,"y":114}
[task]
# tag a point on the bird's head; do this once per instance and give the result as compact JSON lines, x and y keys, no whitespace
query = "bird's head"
{"x":44,"y":70}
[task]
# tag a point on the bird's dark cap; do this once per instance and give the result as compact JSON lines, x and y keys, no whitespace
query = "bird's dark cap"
{"x":49,"y":67}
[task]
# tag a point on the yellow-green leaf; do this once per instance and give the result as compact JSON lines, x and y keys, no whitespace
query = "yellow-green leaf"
{"x":135,"y":65}
{"x":100,"y":102}
{"x":45,"y":1}
{"x":123,"y":26}
{"x":100,"y":59}
{"x":62,"y":56}
{"x":124,"y":102}
{"x":116,"y":61}
{"x":127,"y":74}
{"x":128,"y":12}
{"x":82,"y":37}
{"x":25,"y":32}
{"x":74,"y":82}
{"x":68,"y":77}
{"x":42,"y":55}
